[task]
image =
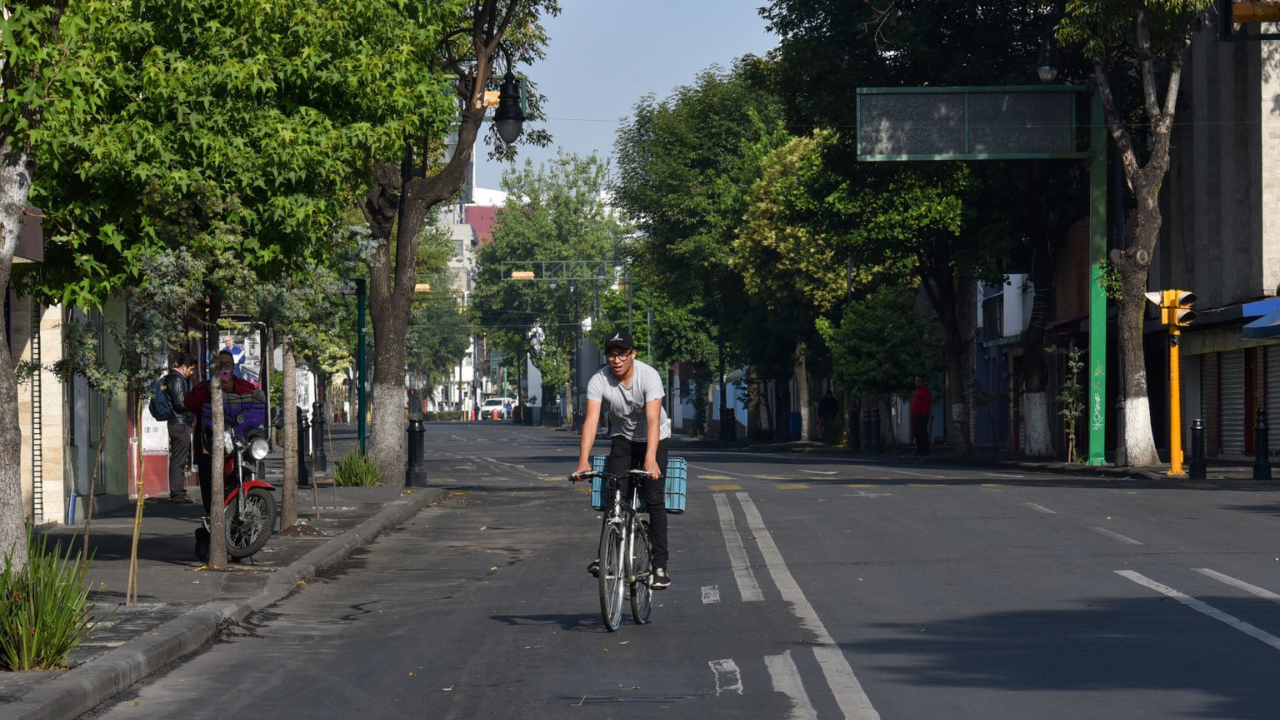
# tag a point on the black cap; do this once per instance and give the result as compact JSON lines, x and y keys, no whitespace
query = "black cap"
{"x":619,"y":339}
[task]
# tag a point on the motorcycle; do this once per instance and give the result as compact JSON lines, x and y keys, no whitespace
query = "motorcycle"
{"x":250,"y":506}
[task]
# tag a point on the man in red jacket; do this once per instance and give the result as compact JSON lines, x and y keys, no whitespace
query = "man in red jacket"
{"x":195,"y":402}
{"x":921,"y":404}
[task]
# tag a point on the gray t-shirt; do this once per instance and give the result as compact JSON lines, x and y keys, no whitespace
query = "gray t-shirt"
{"x":625,"y":403}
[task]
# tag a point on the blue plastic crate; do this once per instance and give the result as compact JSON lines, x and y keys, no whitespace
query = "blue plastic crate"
{"x":677,"y":469}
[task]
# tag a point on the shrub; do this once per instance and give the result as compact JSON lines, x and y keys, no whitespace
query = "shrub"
{"x":44,"y":608}
{"x":444,"y":416}
{"x":355,"y":469}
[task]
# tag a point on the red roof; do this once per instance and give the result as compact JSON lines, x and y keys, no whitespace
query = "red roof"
{"x":481,"y":218}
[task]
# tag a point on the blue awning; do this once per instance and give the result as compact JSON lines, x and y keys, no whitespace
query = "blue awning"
{"x":1268,"y":326}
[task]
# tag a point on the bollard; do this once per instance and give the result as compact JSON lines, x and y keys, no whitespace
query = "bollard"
{"x":1196,"y":468}
{"x":304,"y":450}
{"x":415,"y":473}
{"x":1261,"y":447}
{"x":322,"y":457}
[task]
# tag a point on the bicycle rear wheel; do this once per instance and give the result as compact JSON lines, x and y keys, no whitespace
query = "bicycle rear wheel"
{"x":641,"y":572}
{"x":611,"y":576}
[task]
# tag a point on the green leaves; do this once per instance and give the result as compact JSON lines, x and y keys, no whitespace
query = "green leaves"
{"x":881,"y":343}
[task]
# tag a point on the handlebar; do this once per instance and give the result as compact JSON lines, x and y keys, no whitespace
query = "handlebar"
{"x":596,"y":474}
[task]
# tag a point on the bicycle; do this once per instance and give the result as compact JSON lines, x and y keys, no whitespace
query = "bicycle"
{"x":625,"y":551}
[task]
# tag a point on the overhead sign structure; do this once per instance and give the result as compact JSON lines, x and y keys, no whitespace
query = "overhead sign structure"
{"x":1023,"y":122}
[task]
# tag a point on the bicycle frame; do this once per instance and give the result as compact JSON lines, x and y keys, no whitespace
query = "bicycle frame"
{"x":621,"y":561}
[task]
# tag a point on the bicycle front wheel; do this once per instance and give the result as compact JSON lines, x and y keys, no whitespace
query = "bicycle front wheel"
{"x":641,"y":572}
{"x":611,"y":576}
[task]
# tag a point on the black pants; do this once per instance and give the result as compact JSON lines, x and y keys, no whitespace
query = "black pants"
{"x":179,"y":457}
{"x":626,"y":455}
{"x":920,"y":424}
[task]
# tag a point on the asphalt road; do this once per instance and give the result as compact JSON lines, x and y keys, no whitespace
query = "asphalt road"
{"x":804,"y":587}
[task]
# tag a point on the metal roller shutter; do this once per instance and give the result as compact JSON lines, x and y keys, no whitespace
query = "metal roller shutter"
{"x":1273,"y":395}
{"x":1231,"y":378}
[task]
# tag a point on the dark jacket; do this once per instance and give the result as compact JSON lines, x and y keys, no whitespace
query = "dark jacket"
{"x":200,"y":395}
{"x":177,"y":386}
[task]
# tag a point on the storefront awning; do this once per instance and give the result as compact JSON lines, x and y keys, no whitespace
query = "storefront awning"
{"x":1267,"y":326}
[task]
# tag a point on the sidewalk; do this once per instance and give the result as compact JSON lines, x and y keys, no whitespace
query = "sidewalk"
{"x":1217,"y":470}
{"x":181,"y":605}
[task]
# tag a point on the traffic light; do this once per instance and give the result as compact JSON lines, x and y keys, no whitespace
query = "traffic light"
{"x":1176,"y":308}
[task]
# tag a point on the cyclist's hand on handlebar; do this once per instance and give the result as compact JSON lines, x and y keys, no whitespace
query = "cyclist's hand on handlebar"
{"x":584,"y":467}
{"x":651,"y":467}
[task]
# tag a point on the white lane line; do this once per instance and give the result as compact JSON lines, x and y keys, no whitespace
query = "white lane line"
{"x":850,"y":696}
{"x":1203,"y":607}
{"x":1040,"y":508}
{"x":521,"y":468}
{"x":1253,"y":589}
{"x":1115,"y":536}
{"x":728,"y":678}
{"x":786,"y":680}
{"x":822,"y":472}
{"x":1003,"y":475}
{"x":719,"y":471}
{"x":710,"y":594}
{"x":747,"y":585}
{"x":455,"y":437}
{"x":902,"y":472}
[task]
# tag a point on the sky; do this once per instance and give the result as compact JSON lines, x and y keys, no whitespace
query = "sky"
{"x":604,"y":55}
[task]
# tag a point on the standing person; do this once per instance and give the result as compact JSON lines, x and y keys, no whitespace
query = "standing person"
{"x":828,"y":408}
{"x":633,"y":393}
{"x":194,"y":402}
{"x":176,"y":385}
{"x":237,"y":355}
{"x":921,"y":404}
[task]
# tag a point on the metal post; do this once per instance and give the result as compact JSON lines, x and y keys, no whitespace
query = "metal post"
{"x":1175,"y":405}
{"x":361,"y":366}
{"x":304,"y":449}
{"x":322,"y":456}
{"x":415,"y":473}
{"x":1097,"y":299}
{"x":1196,"y":469}
{"x":1261,"y":447}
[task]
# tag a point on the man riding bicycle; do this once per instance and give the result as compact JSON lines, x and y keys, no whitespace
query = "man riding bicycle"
{"x":633,"y":393}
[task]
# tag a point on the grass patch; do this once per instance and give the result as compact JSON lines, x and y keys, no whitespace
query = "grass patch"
{"x":44,"y":607}
{"x":355,"y":469}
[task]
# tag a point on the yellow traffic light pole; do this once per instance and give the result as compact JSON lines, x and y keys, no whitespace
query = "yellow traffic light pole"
{"x":1175,"y":313}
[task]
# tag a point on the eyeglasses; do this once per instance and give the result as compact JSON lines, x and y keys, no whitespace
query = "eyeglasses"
{"x":614,"y":357}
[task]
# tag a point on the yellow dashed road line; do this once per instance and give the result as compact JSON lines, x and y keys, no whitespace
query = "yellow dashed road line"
{"x":793,"y":486}
{"x":723,"y":488}
{"x":714,"y":477}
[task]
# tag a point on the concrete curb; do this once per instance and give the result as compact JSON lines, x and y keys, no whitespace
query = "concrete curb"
{"x":85,"y":687}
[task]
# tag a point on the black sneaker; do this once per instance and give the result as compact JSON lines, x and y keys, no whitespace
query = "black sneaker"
{"x":661,"y":580}
{"x":594,"y":568}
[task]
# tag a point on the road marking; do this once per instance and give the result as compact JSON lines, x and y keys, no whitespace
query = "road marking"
{"x":746,"y":579}
{"x":728,"y":678}
{"x":850,"y":696}
{"x":992,"y":485}
{"x":455,"y":437}
{"x":920,"y":485}
{"x":720,"y":471}
{"x":1253,"y":589}
{"x":723,"y":488}
{"x":521,"y":468}
{"x":1005,"y":475}
{"x":1202,"y":607}
{"x":861,"y":485}
{"x":793,"y":486}
{"x":903,"y":472}
{"x":865,"y":494}
{"x":1040,"y":508}
{"x":770,"y":477}
{"x":714,"y":477}
{"x":710,"y":595}
{"x":823,"y":472}
{"x":786,"y":680}
{"x":1116,"y":536}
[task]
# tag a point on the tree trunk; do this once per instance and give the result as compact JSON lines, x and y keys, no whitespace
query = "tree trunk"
{"x":957,"y":316}
{"x":217,"y":461}
{"x":16,"y":170}
{"x":1035,"y":400}
{"x":1139,"y":445}
{"x":802,"y":387}
{"x":288,"y":406}
{"x":782,"y":409}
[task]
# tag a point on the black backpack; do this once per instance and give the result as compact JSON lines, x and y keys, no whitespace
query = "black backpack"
{"x":160,"y":406}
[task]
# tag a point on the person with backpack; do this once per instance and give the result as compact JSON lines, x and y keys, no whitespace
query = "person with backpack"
{"x":167,"y":405}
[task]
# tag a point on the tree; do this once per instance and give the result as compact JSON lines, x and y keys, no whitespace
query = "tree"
{"x":686,"y":165}
{"x":406,"y":185}
{"x":36,"y":76}
{"x":1146,"y":39}
{"x":239,"y":131}
{"x":881,"y":343}
{"x":555,"y":213}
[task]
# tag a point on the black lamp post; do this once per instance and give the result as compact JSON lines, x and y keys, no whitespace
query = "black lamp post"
{"x":509,"y":117}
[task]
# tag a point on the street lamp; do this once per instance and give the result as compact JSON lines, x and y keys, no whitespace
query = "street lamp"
{"x":1047,"y":68}
{"x":509,"y":117}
